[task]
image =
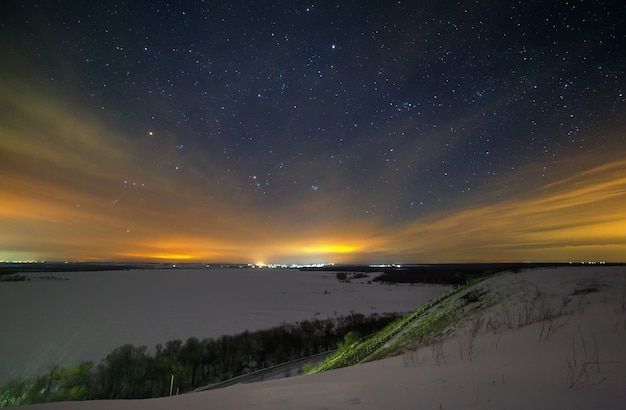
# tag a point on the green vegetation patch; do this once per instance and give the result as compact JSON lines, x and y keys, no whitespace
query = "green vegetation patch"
{"x":132,"y":372}
{"x":419,"y":328}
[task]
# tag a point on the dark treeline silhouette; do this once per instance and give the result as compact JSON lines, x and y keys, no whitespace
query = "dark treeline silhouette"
{"x":131,"y":372}
{"x":454,"y":273}
{"x":444,"y":273}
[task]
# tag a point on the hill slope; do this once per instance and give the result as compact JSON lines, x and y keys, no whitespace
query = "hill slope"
{"x":546,"y":338}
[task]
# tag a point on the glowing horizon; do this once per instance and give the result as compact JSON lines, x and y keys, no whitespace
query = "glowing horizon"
{"x":57,"y":216}
{"x":376,"y":150}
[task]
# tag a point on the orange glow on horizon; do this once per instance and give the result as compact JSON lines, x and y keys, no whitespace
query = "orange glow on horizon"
{"x":328,"y":248}
{"x":582,"y":218}
{"x":110,"y":204}
{"x":159,"y":257}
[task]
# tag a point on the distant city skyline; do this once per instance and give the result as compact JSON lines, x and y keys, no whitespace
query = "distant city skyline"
{"x":356,"y":132}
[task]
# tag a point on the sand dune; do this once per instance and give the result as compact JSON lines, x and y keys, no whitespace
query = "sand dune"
{"x":575,"y":359}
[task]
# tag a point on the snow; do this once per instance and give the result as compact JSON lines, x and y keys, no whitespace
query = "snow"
{"x":510,"y":367}
{"x":46,"y":322}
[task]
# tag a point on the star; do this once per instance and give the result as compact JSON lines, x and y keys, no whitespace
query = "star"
{"x":422,"y":122}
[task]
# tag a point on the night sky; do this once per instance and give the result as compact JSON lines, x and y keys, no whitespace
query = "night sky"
{"x":302,"y":132}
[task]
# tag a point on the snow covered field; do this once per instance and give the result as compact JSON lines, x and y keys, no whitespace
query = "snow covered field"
{"x":572,"y":360}
{"x":46,"y":322}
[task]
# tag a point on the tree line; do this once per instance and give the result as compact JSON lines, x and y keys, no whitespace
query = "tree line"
{"x":133,"y":372}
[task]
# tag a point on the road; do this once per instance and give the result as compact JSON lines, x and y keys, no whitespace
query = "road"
{"x":278,"y":371}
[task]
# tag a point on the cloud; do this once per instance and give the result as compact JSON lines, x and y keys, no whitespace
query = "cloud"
{"x":579,"y":217}
{"x":74,"y":187}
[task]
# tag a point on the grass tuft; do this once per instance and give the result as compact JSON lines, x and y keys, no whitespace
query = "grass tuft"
{"x":421,"y":327}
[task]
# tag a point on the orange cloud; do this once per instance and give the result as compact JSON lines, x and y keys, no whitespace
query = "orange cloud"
{"x":580,"y":217}
{"x":74,"y":188}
